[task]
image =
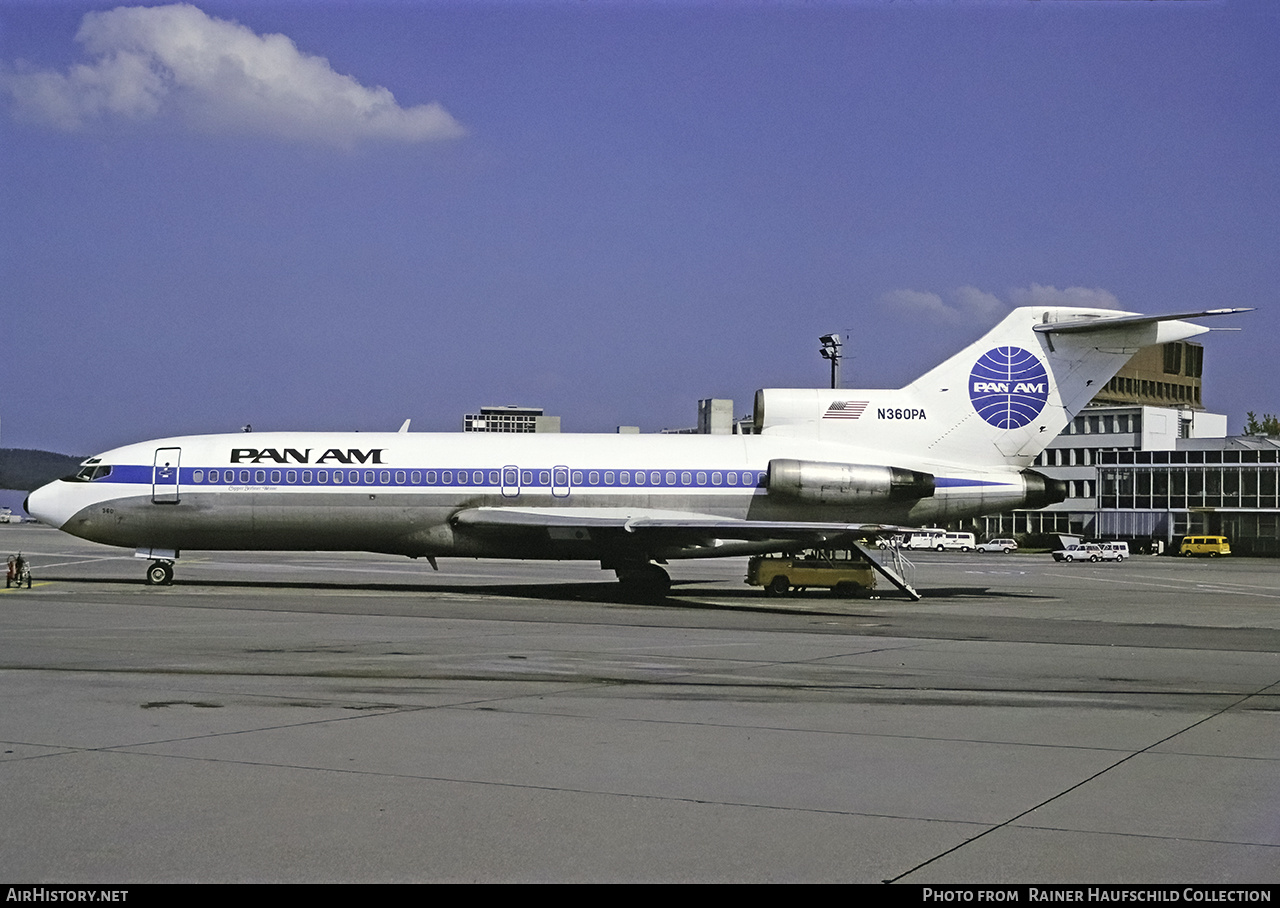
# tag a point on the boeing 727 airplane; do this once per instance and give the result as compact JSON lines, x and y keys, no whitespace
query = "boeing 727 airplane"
{"x":826,"y":467}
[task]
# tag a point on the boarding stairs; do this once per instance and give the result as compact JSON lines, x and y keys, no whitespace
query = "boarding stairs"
{"x":896,"y":567}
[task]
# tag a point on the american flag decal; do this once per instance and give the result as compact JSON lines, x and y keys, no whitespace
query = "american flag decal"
{"x":845,"y":409}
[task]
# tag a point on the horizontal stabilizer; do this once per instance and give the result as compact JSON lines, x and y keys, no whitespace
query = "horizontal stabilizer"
{"x":1105,"y":322}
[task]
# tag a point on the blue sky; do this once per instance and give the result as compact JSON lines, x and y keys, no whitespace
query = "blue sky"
{"x":342,"y":215}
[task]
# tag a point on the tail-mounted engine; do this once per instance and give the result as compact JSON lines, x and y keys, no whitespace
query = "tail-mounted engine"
{"x":846,"y":483}
{"x":1041,"y":490}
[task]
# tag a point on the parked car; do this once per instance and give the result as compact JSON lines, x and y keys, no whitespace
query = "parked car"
{"x":1213,"y":546}
{"x":1114,"y":551}
{"x":998,"y":545}
{"x":1088,"y":551}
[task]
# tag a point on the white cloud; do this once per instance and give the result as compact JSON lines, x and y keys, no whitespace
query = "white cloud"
{"x":220,"y":76}
{"x":975,"y":304}
{"x":968,"y":304}
{"x":916,"y":301}
{"x":1038,"y":295}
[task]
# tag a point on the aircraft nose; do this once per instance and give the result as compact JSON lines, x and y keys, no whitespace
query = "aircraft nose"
{"x":51,"y":503}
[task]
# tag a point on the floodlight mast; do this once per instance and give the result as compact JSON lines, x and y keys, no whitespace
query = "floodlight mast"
{"x":831,"y":350}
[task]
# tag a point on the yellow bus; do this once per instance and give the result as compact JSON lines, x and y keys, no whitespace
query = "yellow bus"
{"x":1213,"y":546}
{"x":842,"y":570}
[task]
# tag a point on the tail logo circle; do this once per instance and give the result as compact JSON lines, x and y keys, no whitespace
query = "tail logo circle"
{"x":1008,"y":387}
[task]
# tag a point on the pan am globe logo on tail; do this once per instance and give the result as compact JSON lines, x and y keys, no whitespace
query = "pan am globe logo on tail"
{"x":1009,"y":387}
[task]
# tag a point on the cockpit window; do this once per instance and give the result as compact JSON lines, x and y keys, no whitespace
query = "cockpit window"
{"x":93,"y":470}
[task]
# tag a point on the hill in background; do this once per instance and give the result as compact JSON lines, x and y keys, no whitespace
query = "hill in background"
{"x":27,"y":470}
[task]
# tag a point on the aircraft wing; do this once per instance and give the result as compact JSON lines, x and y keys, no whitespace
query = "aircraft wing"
{"x":653,"y":526}
{"x":678,"y":534}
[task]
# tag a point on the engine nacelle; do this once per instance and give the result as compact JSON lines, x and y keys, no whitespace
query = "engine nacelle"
{"x":1042,"y":491}
{"x":790,"y":408}
{"x":846,"y":483}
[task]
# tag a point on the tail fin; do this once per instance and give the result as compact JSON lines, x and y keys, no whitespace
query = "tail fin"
{"x":1023,"y":382}
{"x":1001,"y":399}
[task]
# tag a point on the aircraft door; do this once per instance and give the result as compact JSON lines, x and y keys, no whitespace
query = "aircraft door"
{"x":560,"y":482}
{"x":164,"y":476}
{"x":510,"y":481}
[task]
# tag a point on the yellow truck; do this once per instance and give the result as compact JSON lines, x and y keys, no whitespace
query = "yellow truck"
{"x":842,"y":570}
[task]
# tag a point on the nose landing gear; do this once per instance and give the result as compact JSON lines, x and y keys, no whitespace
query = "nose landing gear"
{"x":160,"y":573}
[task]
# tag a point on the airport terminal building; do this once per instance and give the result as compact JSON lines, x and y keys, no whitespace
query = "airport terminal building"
{"x":1224,"y":487}
{"x":1146,"y":463}
{"x":510,"y":418}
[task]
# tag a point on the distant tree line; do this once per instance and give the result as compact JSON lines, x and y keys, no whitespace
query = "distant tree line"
{"x":28,"y":470}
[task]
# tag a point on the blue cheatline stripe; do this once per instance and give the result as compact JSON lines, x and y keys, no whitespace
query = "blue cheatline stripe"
{"x":946,"y":482}
{"x":528,"y":478}
{"x":130,"y":473}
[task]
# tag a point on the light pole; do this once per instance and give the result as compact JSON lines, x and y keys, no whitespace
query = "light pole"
{"x":831,"y":350}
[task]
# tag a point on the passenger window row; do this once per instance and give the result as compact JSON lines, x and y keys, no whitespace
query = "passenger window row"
{"x":507,"y":477}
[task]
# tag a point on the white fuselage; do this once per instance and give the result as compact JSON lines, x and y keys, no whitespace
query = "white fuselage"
{"x":397,"y":492}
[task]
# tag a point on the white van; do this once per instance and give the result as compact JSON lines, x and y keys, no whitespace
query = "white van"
{"x":965,"y":542}
{"x":1114,"y":551}
{"x":926,"y":539}
{"x":942,"y":541}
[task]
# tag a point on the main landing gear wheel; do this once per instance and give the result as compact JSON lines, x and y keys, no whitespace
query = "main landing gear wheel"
{"x":644,"y":583}
{"x":160,"y":573}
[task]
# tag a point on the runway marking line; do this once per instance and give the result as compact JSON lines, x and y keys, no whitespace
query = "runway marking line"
{"x":34,"y":584}
{"x":1246,"y":591}
{"x":1011,"y":821}
{"x":49,"y":564}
